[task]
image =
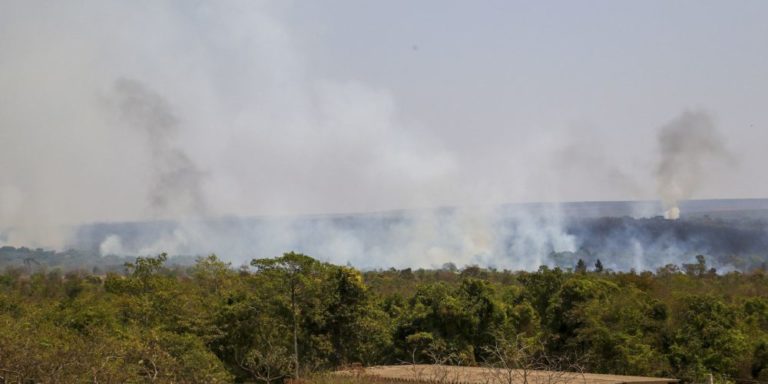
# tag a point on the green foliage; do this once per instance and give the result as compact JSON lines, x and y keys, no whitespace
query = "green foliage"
{"x":294,"y":315}
{"x":706,"y":338}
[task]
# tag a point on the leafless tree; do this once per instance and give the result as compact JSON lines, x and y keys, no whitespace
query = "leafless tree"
{"x":267,"y":364}
{"x":447,"y":365}
{"x":522,"y":360}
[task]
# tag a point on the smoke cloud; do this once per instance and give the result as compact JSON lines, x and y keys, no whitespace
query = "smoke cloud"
{"x":193,"y":128}
{"x":176,"y":185}
{"x":689,"y":146}
{"x":517,"y":237}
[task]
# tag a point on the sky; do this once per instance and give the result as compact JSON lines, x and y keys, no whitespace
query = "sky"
{"x":114,"y":111}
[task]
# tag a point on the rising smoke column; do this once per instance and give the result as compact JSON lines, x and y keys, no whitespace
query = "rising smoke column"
{"x":176,"y":183}
{"x":687,"y":144}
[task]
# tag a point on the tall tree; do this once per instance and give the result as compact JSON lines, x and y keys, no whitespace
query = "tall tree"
{"x":598,"y":266}
{"x":295,"y":270}
{"x":581,"y":266}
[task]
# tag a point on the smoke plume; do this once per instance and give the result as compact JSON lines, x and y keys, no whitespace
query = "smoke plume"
{"x":223,"y":127}
{"x":689,"y":145}
{"x":175,"y":188}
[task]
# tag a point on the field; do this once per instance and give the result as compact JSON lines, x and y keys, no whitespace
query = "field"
{"x":422,"y":373}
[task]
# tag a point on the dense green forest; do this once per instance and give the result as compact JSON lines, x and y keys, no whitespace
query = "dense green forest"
{"x":210,"y":322}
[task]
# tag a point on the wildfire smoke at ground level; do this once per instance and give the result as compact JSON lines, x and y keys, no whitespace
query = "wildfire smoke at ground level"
{"x":673,"y":213}
{"x":733,"y":234}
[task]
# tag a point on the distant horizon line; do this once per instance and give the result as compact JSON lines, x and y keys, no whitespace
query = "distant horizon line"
{"x":402,"y":210}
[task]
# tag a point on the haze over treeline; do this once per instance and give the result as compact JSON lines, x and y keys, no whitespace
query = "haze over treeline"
{"x":117,"y":112}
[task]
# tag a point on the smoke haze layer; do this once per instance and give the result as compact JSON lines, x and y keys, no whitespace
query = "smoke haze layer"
{"x":194,"y":113}
{"x":732,"y":234}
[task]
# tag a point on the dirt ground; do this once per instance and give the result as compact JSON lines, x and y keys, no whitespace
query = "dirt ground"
{"x":479,"y":375}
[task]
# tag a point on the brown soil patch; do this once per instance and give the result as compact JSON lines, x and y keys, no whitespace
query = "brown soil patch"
{"x":478,"y":375}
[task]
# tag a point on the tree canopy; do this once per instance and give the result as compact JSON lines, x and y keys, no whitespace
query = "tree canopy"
{"x":293,"y":315}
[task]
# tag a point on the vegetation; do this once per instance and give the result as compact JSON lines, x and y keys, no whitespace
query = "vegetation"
{"x":293,"y":316}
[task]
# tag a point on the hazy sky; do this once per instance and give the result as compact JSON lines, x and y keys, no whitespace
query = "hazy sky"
{"x":345,"y":106}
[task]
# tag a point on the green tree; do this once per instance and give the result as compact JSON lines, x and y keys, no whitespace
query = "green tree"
{"x":358,"y":329}
{"x":598,"y":266}
{"x":581,"y":266}
{"x":541,"y":286}
{"x":296,"y":271}
{"x":698,"y":269}
{"x":706,"y":339}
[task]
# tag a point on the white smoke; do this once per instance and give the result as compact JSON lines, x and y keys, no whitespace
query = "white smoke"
{"x":112,"y":245}
{"x":114,"y":111}
{"x":638,"y":256}
{"x":672,"y":213}
{"x":124,"y":111}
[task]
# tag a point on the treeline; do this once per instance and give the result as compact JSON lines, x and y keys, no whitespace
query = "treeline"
{"x":26,"y":260}
{"x":294,"y":315}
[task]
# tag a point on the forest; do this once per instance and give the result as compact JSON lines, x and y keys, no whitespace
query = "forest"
{"x":295,"y":316}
